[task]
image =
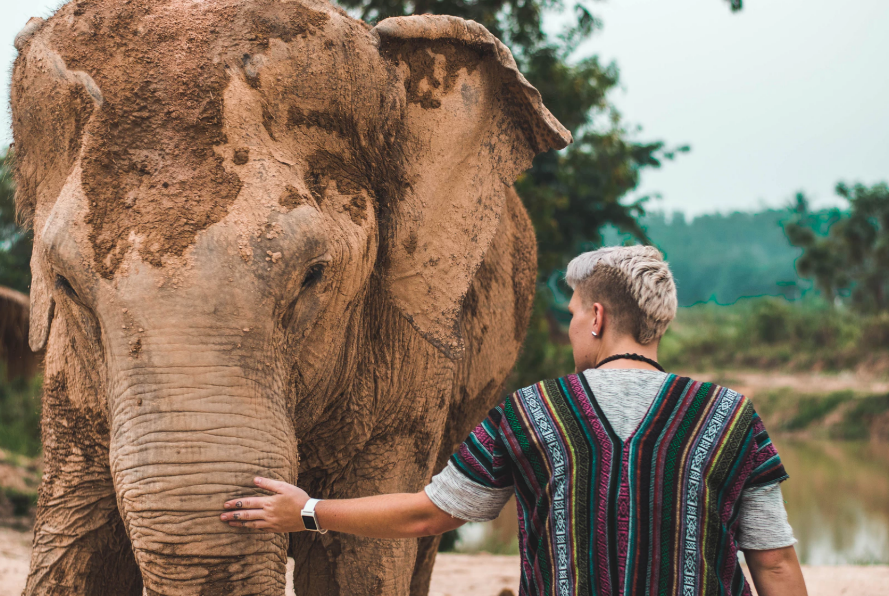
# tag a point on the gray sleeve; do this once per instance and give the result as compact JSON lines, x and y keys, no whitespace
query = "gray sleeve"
{"x":763,"y":520}
{"x":455,"y":494}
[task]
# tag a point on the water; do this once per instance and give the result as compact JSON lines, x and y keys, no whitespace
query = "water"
{"x":837,"y":501}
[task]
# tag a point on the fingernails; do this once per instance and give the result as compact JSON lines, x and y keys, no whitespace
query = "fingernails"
{"x":258,"y":480}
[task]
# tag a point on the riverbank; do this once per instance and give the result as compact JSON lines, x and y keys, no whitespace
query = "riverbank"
{"x":845,"y":406}
{"x":481,"y":574}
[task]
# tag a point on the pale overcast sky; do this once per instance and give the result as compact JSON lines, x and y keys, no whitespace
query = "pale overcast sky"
{"x":785,"y":95}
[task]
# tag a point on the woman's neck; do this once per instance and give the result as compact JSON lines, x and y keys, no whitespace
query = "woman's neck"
{"x":627,"y":346}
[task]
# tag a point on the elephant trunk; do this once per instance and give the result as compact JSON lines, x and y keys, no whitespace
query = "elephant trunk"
{"x":190,"y":431}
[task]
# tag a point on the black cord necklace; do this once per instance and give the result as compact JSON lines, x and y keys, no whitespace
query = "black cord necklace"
{"x":637,"y":357}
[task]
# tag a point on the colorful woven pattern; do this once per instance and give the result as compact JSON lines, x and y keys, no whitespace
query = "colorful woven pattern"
{"x":653,"y":515}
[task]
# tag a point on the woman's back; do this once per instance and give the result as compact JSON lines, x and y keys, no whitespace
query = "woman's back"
{"x":633,"y":487}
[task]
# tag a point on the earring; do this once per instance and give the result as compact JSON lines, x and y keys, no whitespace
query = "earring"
{"x":595,"y":334}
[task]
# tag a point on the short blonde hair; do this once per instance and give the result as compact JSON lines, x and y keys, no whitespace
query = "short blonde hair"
{"x":633,"y":282}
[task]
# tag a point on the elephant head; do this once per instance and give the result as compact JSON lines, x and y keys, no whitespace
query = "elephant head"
{"x":228,"y":197}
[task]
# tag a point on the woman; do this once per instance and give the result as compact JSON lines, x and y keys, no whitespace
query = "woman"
{"x":627,"y":479}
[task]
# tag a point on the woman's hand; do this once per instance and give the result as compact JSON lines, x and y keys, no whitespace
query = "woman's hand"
{"x":277,"y":513}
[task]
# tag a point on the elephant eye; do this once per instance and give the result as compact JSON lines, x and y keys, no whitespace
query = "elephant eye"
{"x":313,"y":275}
{"x":64,"y":285}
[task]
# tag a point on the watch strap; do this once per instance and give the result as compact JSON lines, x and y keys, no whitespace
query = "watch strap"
{"x":310,"y":519}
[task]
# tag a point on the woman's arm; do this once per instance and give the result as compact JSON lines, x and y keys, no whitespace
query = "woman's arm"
{"x":403,"y":515}
{"x":776,"y":572}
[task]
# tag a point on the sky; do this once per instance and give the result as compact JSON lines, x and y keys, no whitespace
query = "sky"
{"x":785,"y":95}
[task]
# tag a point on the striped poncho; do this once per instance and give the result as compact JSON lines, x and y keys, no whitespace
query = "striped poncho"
{"x":656,"y":514}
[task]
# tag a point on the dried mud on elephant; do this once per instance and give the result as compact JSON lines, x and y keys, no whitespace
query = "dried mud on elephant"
{"x":269,"y":238}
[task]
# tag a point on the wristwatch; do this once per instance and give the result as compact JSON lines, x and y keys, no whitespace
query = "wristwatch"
{"x":310,"y":520}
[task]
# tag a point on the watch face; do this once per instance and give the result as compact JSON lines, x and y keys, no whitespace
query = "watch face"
{"x":309,"y":523}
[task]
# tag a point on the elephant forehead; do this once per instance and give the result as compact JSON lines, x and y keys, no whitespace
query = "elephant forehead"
{"x":152,"y":159}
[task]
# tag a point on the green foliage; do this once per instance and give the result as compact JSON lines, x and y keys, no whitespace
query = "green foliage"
{"x":724,"y":257}
{"x":858,"y":421}
{"x":814,"y":410}
{"x":851,"y":263}
{"x":544,"y":354}
{"x":18,"y":488}
{"x":21,"y":502}
{"x":448,"y":541}
{"x":15,"y":242}
{"x":20,"y":414}
{"x":769,"y":333}
{"x":840,"y":415}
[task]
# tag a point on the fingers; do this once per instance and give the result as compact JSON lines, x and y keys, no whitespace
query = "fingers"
{"x":240,"y":516}
{"x":255,"y":525}
{"x":276,"y":486}
{"x":247,"y":503}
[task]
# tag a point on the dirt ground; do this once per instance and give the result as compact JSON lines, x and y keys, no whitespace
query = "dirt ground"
{"x":487,"y":575}
{"x":482,"y":574}
{"x":748,"y":382}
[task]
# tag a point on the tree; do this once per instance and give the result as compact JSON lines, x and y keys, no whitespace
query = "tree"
{"x":850,"y":263}
{"x":15,"y":241}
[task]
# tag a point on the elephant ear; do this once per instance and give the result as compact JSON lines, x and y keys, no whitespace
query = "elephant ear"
{"x":48,"y":137}
{"x":472,"y":124}
{"x":42,"y":303}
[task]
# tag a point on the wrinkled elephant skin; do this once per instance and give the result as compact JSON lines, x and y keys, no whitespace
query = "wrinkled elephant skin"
{"x":269,"y":239}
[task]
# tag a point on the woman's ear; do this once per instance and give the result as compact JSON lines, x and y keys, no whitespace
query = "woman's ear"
{"x":598,"y":312}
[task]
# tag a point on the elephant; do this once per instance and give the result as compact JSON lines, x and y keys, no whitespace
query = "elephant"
{"x":269,"y":239}
{"x":16,"y":359}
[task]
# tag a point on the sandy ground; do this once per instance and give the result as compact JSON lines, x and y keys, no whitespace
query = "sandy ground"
{"x":748,"y":382}
{"x":483,"y":575}
{"x":487,"y":575}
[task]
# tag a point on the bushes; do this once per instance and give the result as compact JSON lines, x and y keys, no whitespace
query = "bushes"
{"x":546,"y":353}
{"x":863,"y":420}
{"x":814,"y":409}
{"x":20,"y":414}
{"x":769,"y":333}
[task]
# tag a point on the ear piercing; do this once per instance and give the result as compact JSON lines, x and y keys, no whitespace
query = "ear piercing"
{"x":595,"y":334}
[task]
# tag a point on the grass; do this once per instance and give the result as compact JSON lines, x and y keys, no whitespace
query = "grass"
{"x":839,"y":415}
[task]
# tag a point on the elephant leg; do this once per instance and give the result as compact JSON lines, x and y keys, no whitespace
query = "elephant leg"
{"x":80,"y":544}
{"x":345,"y":565}
{"x":341,"y":564}
{"x":427,"y":549}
